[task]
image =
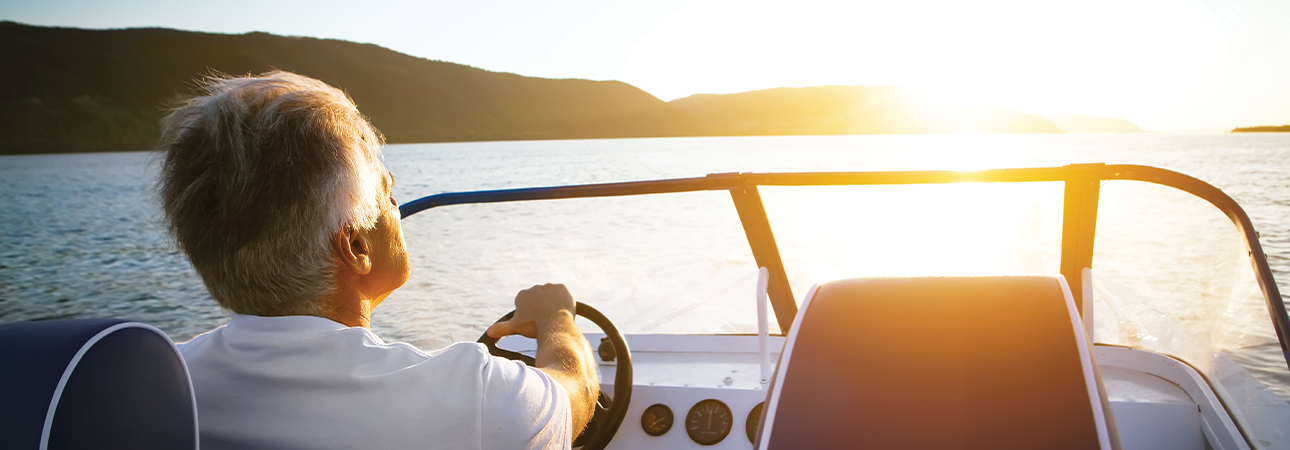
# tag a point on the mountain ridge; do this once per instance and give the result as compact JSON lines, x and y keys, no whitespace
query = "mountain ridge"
{"x":842,"y":109}
{"x":78,"y":90}
{"x":92,"y":90}
{"x":1078,"y":123}
{"x":1263,"y":129}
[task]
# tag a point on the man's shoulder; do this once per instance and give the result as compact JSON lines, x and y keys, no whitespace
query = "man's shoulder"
{"x":340,"y":352}
{"x":457,"y":351}
{"x":459,"y":361}
{"x":198,"y":341}
{"x":368,"y":353}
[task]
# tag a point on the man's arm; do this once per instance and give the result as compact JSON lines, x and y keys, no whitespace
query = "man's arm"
{"x":546,"y":313}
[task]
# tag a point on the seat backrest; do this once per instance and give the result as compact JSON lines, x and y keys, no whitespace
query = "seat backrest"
{"x":93,"y":383}
{"x":966,"y":362}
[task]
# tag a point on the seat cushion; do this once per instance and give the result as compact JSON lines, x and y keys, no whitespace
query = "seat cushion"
{"x":94,"y":383}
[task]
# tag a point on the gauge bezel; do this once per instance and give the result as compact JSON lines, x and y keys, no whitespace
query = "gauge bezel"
{"x":709,"y":439}
{"x":754,"y":417}
{"x":662,"y":410}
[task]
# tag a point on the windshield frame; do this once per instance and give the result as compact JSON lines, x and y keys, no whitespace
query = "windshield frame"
{"x":1082,"y":184}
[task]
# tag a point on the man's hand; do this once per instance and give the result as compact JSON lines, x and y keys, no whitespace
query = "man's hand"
{"x":537,"y":308}
{"x":546,"y":313}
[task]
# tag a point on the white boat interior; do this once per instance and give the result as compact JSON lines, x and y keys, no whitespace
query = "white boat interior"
{"x":1001,"y":361}
{"x":1151,"y":394}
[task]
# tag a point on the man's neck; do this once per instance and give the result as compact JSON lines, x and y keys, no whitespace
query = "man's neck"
{"x":349,"y":307}
{"x":350,"y":319}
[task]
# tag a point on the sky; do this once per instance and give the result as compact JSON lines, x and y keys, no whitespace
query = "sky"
{"x":1166,"y":65}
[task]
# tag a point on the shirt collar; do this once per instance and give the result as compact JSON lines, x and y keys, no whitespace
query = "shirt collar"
{"x":245,"y":322}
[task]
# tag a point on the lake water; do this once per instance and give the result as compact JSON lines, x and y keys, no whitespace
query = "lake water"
{"x":82,"y":236}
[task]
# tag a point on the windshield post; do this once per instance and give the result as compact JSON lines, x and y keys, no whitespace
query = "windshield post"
{"x":1079,"y":226}
{"x":752,"y":214}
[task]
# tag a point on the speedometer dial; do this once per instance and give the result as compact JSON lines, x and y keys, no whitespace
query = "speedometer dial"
{"x":709,"y":422}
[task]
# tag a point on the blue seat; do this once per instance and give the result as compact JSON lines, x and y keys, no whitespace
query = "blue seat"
{"x":934,"y":363}
{"x":93,"y":383}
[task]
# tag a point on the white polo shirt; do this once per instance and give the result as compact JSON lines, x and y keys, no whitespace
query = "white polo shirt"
{"x":303,"y":382}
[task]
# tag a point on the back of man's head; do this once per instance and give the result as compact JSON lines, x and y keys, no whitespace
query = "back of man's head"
{"x":259,"y":172}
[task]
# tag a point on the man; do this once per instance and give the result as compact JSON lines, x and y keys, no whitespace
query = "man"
{"x":273,"y":187}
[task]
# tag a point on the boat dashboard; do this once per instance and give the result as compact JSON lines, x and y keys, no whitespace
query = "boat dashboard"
{"x":706,"y":391}
{"x":688,"y":391}
{"x":695,"y":391}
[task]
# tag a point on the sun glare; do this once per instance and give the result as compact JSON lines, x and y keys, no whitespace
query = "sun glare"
{"x":975,"y":150}
{"x":1151,"y":62}
{"x":925,"y":230}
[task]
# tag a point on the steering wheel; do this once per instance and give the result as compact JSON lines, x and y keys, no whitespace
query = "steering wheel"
{"x":609,"y":413}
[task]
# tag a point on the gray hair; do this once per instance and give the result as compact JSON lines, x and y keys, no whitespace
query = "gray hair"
{"x":258,"y":174}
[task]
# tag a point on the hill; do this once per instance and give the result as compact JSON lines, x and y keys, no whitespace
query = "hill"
{"x":1075,"y":123}
{"x":77,"y":90}
{"x":850,"y":110}
{"x":1283,"y":128}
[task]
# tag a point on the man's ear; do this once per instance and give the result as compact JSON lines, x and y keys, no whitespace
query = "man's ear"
{"x":354,"y":249}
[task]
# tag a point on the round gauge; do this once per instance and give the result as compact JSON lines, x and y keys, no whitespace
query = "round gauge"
{"x":657,"y":419}
{"x":708,"y":422}
{"x":754,"y":418}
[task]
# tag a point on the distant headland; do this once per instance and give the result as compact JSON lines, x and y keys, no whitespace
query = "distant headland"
{"x":1283,"y":128}
{"x":76,"y":90}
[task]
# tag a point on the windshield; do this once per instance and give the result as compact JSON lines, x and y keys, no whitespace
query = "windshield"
{"x":1171,"y":275}
{"x":670,"y":263}
{"x":680,"y":263}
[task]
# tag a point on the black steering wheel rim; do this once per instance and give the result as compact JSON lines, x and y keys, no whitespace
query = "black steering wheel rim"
{"x":609,"y":414}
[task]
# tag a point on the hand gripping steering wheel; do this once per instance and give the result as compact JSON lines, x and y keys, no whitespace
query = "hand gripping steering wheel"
{"x":609,"y":414}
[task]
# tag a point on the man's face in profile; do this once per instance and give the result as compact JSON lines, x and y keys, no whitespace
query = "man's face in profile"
{"x":390,"y":266}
